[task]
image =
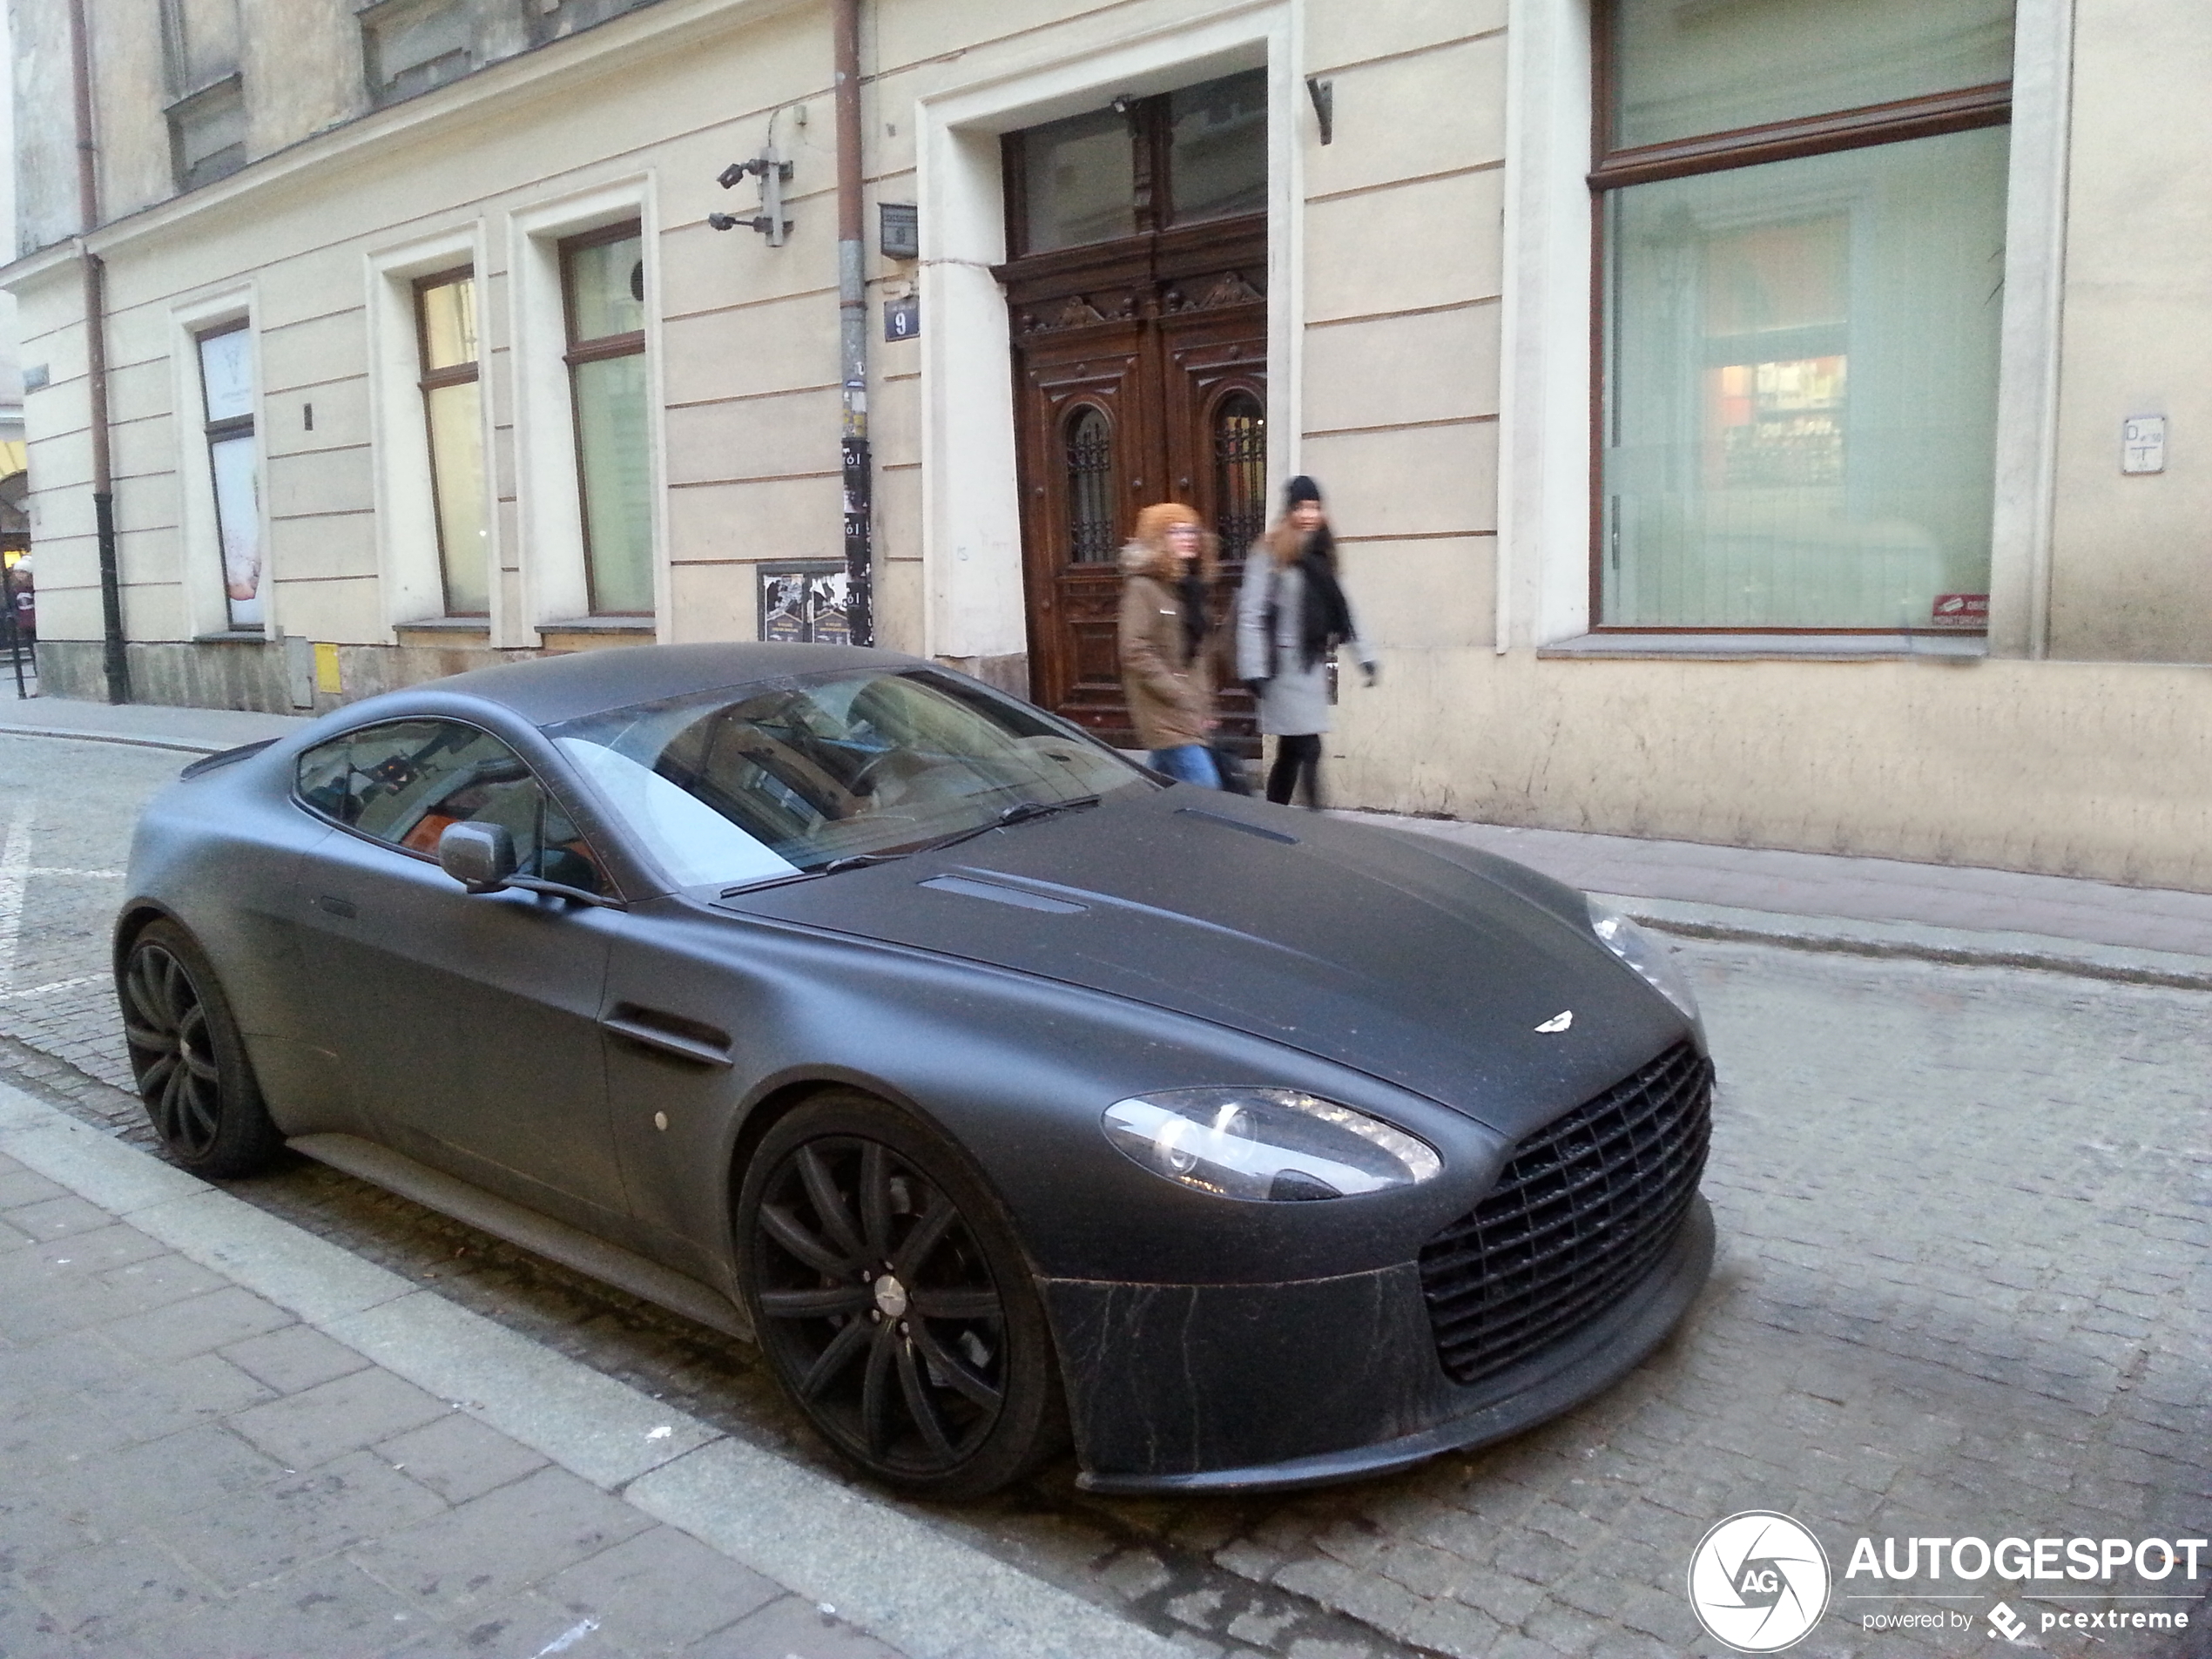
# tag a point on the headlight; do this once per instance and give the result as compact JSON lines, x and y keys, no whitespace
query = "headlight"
{"x":1652,"y":960}
{"x":1264,"y":1144}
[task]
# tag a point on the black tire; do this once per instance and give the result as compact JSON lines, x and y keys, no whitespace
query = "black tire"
{"x":894,"y":1303}
{"x":190,"y":1064}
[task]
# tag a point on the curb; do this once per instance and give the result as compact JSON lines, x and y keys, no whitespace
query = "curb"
{"x":914,"y":1585}
{"x":1917,"y":942}
{"x":181,"y":744}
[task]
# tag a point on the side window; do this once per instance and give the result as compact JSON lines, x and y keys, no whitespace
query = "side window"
{"x":404,"y":783}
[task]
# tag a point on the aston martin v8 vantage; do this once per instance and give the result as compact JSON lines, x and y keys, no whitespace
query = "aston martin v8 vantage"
{"x":1006,"y":1092}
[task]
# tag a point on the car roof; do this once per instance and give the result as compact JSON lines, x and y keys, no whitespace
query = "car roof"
{"x":546,"y":691}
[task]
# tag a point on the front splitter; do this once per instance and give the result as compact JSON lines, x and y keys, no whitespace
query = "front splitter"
{"x":1555,"y":1381}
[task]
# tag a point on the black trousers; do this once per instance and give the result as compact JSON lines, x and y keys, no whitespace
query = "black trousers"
{"x":1298,"y":764}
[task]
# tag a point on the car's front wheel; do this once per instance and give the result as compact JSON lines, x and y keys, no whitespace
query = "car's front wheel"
{"x":890,"y":1296}
{"x":188,"y":1059}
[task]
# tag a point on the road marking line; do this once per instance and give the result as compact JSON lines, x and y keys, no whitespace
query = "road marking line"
{"x":25,"y":995}
{"x":15,"y":873}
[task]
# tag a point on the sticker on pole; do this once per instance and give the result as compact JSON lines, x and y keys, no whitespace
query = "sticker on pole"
{"x":1759,"y":1582}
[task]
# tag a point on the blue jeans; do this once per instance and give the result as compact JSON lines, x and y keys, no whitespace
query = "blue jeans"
{"x":1189,"y":763}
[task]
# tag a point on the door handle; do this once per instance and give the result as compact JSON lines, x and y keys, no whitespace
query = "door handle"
{"x":336,"y":906}
{"x":670,"y":1034}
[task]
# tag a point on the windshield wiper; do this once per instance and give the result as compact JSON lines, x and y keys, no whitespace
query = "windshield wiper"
{"x":1023,"y":812}
{"x":852,"y":861}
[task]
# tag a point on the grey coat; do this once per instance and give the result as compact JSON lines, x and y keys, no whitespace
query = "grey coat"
{"x":1296,"y":700}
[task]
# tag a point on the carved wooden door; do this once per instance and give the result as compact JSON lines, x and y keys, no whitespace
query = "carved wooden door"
{"x":1137,"y":380}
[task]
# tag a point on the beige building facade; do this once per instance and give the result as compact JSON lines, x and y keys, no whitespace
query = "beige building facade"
{"x":1731,"y":433}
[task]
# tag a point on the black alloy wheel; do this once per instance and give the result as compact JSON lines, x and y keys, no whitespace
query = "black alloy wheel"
{"x":190,"y":1064}
{"x":897,"y":1312}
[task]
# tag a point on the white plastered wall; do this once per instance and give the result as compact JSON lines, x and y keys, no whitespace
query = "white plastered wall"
{"x":549,"y":507}
{"x":971,"y":510}
{"x":407,"y":526}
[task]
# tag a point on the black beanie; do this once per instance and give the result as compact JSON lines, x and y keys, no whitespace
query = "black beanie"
{"x":1300,"y":489}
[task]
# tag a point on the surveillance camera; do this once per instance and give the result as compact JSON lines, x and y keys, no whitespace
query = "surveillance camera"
{"x":730,"y":175}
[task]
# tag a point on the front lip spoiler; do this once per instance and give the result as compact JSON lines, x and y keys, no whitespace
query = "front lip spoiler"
{"x":1585,"y":1364}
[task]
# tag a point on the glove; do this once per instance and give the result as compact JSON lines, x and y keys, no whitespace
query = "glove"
{"x":1257,"y":687}
{"x":1374,"y":671}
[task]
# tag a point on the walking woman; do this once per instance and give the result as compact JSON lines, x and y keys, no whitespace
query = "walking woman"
{"x":1165,"y":622}
{"x":1291,"y":615}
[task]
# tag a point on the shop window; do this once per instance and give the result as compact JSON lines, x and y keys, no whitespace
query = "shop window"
{"x":603,"y":281}
{"x":1801,"y":228}
{"x":1090,"y":486}
{"x":233,"y":463}
{"x":445,"y":320}
{"x":1185,"y":157}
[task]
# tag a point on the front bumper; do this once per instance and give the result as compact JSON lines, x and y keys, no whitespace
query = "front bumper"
{"x":1204,"y":1388}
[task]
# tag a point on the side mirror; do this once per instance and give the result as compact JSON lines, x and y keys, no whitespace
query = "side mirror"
{"x":479,"y":856}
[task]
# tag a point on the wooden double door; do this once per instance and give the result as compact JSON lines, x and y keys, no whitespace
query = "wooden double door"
{"x":1140,"y":376}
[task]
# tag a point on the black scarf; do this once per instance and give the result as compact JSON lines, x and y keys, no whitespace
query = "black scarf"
{"x":1326,"y":620}
{"x":1192,"y":590}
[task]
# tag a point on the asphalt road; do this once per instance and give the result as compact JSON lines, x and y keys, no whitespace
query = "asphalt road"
{"x":1965,"y":1290}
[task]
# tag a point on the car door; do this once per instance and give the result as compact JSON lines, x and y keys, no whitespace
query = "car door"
{"x":467,"y":1025}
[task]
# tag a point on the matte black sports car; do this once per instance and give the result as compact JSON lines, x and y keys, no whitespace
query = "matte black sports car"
{"x":1002,"y":1088}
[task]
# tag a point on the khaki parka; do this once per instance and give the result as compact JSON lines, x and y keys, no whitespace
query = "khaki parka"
{"x":1170,"y":690}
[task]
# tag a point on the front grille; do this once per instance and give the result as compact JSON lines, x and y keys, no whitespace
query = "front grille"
{"x":1586,"y":1207}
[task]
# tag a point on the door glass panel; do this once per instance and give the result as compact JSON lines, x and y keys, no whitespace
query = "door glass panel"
{"x":1239,"y":472}
{"x":1217,"y":147}
{"x":1079,"y":181}
{"x":406,"y":782}
{"x":1090,"y":487}
{"x":1687,"y":67}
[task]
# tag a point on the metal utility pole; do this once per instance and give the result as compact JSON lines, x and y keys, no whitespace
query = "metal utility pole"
{"x":853,"y":330}
{"x":113,"y":658}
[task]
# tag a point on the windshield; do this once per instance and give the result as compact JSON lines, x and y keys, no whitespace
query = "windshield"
{"x":774,"y":778}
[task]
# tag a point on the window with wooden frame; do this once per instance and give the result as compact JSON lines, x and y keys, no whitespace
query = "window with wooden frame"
{"x":1799,"y":231}
{"x":233,"y":465}
{"x":1153,"y":164}
{"x":445,"y":329}
{"x":603,"y":285}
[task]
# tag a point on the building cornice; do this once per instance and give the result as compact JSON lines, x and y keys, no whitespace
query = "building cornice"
{"x":654,"y":30}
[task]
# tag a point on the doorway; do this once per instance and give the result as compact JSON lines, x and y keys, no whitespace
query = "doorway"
{"x":1137,"y":309}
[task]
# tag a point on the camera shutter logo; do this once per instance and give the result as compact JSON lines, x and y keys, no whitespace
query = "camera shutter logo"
{"x":1759,"y":1582}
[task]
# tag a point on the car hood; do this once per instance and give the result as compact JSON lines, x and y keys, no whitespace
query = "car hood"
{"x":1410,"y":958}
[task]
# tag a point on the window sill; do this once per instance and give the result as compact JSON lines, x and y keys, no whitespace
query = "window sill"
{"x":231,"y":637}
{"x":444,"y":625}
{"x":602,"y":625}
{"x":1739,"y":648}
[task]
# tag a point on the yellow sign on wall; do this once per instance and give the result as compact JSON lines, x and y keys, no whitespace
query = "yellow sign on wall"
{"x":327,"y":668}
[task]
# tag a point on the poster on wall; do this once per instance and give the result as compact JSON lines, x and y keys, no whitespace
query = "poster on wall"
{"x":804,"y":603}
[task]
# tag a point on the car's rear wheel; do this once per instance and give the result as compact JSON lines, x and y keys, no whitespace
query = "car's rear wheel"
{"x":189,"y":1061}
{"x":890,"y":1296}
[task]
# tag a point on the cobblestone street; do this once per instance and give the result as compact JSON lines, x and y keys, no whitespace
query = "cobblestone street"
{"x":1964,"y":1289}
